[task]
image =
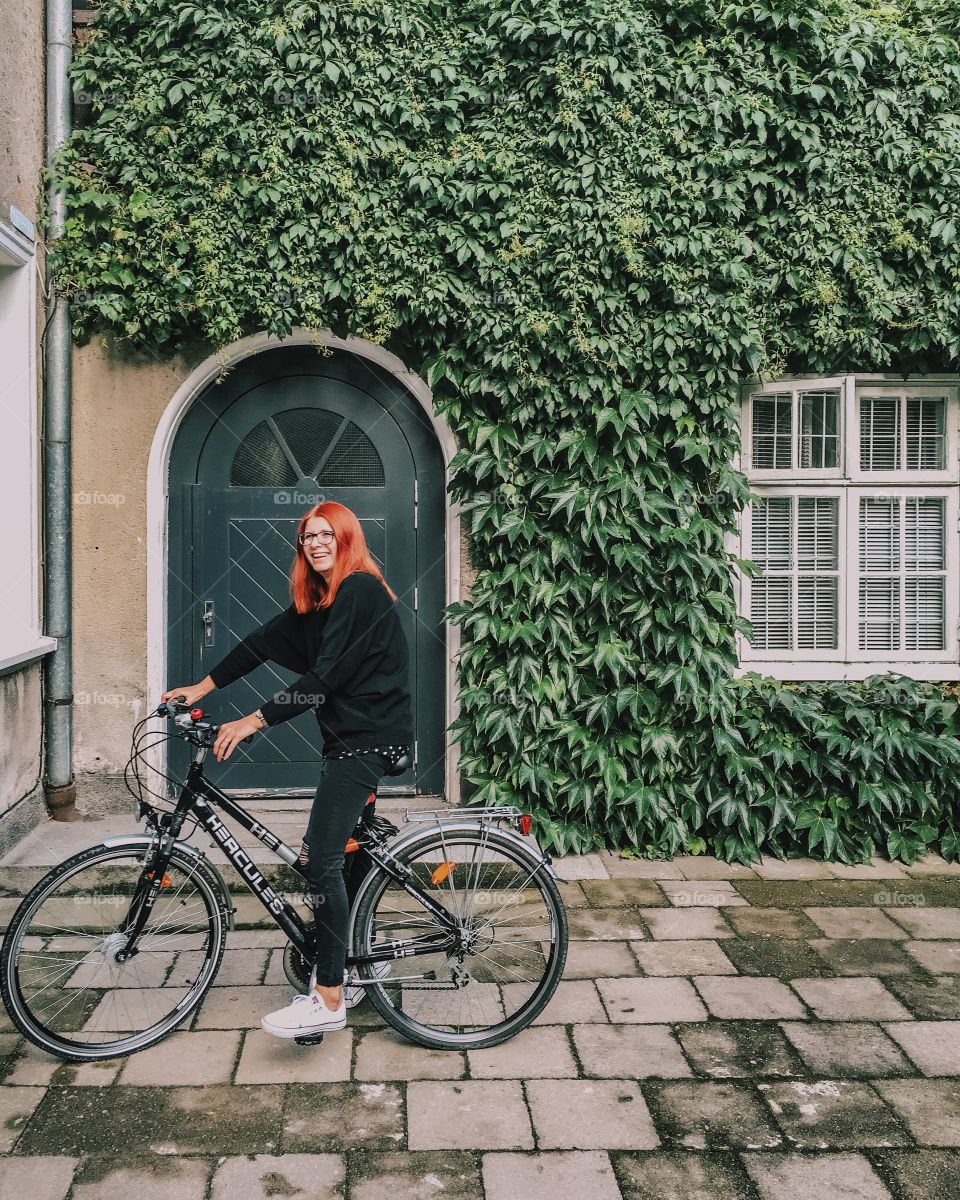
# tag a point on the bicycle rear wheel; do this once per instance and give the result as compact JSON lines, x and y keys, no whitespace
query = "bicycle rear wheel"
{"x":489,"y":978}
{"x":59,"y":976}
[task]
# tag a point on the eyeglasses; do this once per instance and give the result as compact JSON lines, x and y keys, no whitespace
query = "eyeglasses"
{"x":325,"y":535}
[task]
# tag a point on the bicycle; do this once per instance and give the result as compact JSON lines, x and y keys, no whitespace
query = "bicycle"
{"x":117,"y":946}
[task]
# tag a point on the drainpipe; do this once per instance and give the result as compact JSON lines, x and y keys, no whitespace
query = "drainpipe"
{"x":59,"y":786}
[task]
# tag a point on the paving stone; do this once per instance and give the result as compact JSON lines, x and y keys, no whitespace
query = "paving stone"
{"x":639,"y":868}
{"x":254,"y":939}
{"x":873,"y":956}
{"x":556,"y":1175}
{"x":590,"y":1114}
{"x":854,"y":923}
{"x":124,"y":1121}
{"x":676,"y":1175}
{"x":16,"y":1106}
{"x":333,"y":1117}
{"x":571,"y":893}
{"x":384,"y":1054}
{"x":579,"y":866}
{"x":921,"y":1174}
{"x":616,"y":893}
{"x":772,"y":922}
{"x":588,"y":960}
{"x":240,"y":1007}
{"x":574,"y":1000}
{"x":10,"y":1045}
{"x":699,"y":957}
{"x":267,"y":1059}
{"x":934,"y":1046}
{"x":630,"y":1051}
{"x":939,"y":958}
{"x":606,"y":924}
{"x":477,"y":1114}
{"x":34,"y":1067}
{"x":800,"y":1176}
{"x":534,"y":1052}
{"x":263,"y":1176}
{"x":44,"y":1177}
{"x":928,"y":922}
{"x":651,"y":1001}
{"x":414,"y":1175}
{"x":782,"y":958}
{"x":701,"y":893}
{"x":933,"y":864}
{"x":803,"y":893}
{"x":705,"y":866}
{"x":847,"y":1048}
{"x":748,"y":999}
{"x":739,"y":1050}
{"x":791,"y":868}
{"x":854,"y":999}
{"x":930,"y":1108}
{"x":239,"y":968}
{"x":877,"y":868}
{"x":184,"y":1059}
{"x":172,"y":1178}
{"x":685,"y":924}
{"x":935,"y":999}
{"x":835,"y":1114}
{"x":705,"y":1115}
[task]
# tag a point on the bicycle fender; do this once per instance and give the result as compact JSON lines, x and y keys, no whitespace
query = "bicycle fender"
{"x":199,"y":858}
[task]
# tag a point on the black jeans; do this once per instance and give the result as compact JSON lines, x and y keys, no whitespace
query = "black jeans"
{"x":345,"y":784}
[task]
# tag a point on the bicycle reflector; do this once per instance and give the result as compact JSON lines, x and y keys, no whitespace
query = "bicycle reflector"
{"x":196,"y":714}
{"x":526,"y":822}
{"x":441,"y":872}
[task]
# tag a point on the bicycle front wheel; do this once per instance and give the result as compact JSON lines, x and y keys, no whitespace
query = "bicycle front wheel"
{"x":500,"y":966}
{"x":60,"y":978}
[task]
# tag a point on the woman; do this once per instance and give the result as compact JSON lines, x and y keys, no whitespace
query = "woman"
{"x":343,"y":633}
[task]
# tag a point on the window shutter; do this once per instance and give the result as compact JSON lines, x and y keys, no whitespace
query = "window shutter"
{"x":817,"y":608}
{"x":772,"y":431}
{"x":771,"y":606}
{"x":879,"y":433}
{"x":818,"y":428}
{"x":925,"y":433}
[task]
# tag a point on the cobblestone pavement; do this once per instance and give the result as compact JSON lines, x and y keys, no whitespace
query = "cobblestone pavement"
{"x":787,"y":1032}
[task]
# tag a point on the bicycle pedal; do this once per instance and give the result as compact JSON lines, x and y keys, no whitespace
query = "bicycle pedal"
{"x":309,"y":1039}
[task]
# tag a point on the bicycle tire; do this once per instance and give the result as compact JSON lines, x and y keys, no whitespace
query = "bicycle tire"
{"x":364,"y":933}
{"x":57,"y":948}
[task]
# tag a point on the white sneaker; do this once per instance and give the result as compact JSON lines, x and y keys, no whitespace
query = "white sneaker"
{"x":353,"y":993}
{"x":306,"y":1015}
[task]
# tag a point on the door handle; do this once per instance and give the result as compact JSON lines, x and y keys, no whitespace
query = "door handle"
{"x":208,"y":622}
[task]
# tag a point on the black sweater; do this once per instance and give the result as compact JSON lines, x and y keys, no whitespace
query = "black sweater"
{"x":354,"y":664}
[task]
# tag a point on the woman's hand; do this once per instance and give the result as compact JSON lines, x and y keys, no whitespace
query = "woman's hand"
{"x":232,"y":733}
{"x":192,"y":693}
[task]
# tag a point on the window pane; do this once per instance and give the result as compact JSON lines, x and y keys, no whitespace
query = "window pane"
{"x":771,"y":613}
{"x":925,"y":603}
{"x":879,"y":614}
{"x":817,"y":533}
{"x":817,"y":613}
{"x":772,"y":431}
{"x":879,"y":533}
{"x":818,"y":428}
{"x":925,"y":439}
{"x":772,"y":529}
{"x":925,"y":529}
{"x":879,"y":433}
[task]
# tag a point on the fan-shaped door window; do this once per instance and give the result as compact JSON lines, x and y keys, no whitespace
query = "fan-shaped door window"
{"x":306,"y":443}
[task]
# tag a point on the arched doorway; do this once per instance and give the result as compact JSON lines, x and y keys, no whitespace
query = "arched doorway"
{"x":287,"y":428}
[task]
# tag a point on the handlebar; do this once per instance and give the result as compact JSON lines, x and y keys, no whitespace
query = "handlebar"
{"x":200,"y":731}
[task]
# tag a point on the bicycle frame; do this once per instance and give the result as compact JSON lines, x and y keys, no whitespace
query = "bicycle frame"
{"x":199,"y":797}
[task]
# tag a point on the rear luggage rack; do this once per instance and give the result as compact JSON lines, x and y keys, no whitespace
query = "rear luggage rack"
{"x":503,"y":812}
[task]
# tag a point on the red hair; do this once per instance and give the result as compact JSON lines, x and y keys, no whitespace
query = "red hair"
{"x":308,"y":589}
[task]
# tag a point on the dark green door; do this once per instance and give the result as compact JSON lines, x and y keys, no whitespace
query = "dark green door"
{"x":256,"y":457}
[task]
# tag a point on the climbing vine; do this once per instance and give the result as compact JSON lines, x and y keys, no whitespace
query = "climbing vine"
{"x":583,"y":222}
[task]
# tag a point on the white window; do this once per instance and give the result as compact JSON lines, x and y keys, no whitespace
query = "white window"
{"x":854,"y":527}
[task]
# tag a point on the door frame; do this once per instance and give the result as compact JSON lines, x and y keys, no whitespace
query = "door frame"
{"x":158,"y":540}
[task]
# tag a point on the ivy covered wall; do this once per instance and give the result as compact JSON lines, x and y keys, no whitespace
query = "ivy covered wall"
{"x":583,"y":222}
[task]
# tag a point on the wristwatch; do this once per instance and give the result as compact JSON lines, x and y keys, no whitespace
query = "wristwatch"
{"x":261,"y":718}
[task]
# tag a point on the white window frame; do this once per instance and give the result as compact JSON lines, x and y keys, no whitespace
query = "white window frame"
{"x":849,"y":483}
{"x":23,"y":641}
